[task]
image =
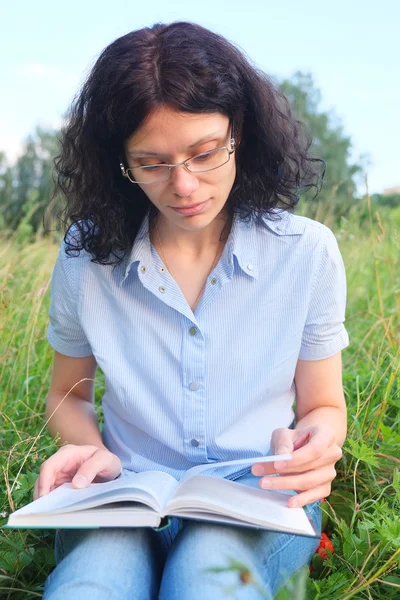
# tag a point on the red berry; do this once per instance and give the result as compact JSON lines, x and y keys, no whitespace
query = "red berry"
{"x":322,"y":553}
{"x":325,"y":544}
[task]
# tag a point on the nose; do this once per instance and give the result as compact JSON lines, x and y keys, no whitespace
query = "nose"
{"x":184,"y":183}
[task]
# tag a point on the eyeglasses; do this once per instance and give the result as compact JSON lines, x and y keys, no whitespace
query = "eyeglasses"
{"x":201,"y":163}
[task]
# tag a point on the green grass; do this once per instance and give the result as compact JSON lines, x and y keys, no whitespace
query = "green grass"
{"x":362,"y":513}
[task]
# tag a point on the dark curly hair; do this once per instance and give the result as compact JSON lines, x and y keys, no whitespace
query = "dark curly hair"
{"x":189,"y":69}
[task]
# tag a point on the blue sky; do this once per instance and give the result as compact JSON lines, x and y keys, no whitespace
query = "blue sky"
{"x":350,"y":47}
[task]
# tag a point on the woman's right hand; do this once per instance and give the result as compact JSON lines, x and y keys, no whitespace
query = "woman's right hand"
{"x":79,"y":464}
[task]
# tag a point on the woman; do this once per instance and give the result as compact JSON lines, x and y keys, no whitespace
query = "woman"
{"x":208,"y":305}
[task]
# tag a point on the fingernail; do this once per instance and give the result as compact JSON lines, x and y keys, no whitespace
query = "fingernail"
{"x":283,"y":450}
{"x":80,"y":481}
{"x":257,"y":470}
{"x":266,"y":483}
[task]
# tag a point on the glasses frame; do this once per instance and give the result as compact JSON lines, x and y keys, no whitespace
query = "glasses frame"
{"x":125,"y":172}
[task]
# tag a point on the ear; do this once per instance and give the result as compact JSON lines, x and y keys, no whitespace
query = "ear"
{"x":236,"y":142}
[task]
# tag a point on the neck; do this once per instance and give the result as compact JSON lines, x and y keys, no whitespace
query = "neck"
{"x":193,"y":244}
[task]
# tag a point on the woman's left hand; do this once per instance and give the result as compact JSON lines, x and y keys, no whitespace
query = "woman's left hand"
{"x":310,"y":472}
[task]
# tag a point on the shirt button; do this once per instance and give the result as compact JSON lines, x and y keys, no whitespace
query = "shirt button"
{"x":250,"y":267}
{"x":195,"y":442}
{"x":213,"y":280}
{"x":194,"y":386}
{"x":162,"y":289}
{"x":143,"y":269}
{"x":162,"y":269}
{"x":279,"y":228}
{"x":193,"y":330}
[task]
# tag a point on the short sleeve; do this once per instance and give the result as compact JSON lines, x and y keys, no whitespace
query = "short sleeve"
{"x":324,"y":333}
{"x":65,"y":333}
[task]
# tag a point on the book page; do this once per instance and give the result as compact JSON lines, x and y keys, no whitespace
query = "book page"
{"x":241,"y":462}
{"x":152,"y":488}
{"x":224,"y":497}
{"x":115,"y":514}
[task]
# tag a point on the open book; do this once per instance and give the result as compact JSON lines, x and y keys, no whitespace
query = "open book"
{"x":146,"y":500}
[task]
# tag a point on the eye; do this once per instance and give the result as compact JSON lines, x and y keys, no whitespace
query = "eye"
{"x":152,"y":167}
{"x":204,"y":156}
{"x":146,"y":162}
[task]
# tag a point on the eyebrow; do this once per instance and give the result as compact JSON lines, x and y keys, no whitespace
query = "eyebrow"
{"x":208,"y":138}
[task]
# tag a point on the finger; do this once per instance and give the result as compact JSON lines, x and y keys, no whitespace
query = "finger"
{"x":102,"y":463}
{"x":319,"y":457}
{"x":56,"y":470}
{"x":302,"y":481}
{"x":281,"y":443}
{"x":271,"y":468}
{"x":315,"y":449}
{"x":309,"y":496}
{"x":330,"y":457}
{"x":46,"y":478}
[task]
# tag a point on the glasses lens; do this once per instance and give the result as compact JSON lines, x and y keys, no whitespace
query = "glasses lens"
{"x":149,"y":174}
{"x":208,"y":160}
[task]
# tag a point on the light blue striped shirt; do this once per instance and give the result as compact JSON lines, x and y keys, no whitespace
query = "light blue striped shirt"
{"x":185,"y":388}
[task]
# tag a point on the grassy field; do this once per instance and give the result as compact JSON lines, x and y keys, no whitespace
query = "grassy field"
{"x":362,"y":514}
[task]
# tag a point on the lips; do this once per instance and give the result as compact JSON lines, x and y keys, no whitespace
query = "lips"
{"x":193,"y":209}
{"x":189,"y":205}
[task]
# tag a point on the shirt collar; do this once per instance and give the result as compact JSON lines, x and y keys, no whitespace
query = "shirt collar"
{"x":244,"y":238}
{"x":241,"y":241}
{"x":242,"y":244}
{"x":141,"y":248}
{"x":282,"y":222}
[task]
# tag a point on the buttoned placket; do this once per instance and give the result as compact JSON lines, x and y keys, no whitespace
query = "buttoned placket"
{"x":157,"y":279}
{"x":193,"y":391}
{"x":193,"y":354}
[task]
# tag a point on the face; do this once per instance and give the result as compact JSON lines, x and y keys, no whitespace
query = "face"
{"x":171,"y":137}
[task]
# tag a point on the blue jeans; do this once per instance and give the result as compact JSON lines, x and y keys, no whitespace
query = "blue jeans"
{"x":175,"y":563}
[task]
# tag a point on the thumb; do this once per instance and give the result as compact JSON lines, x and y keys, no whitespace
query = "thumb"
{"x":282,"y":441}
{"x":102,"y":466}
{"x":80,"y":481}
